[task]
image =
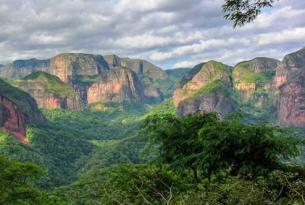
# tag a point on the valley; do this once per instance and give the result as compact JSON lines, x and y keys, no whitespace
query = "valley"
{"x":81,"y":118}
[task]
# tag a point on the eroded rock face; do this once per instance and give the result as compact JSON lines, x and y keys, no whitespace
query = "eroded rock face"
{"x":117,"y":85}
{"x":253,"y":79}
{"x":220,"y":102}
{"x":151,"y":76}
{"x":206,"y":89}
{"x":17,"y":109}
{"x":199,"y":77}
{"x":290,"y":80}
{"x":21,"y":68}
{"x":50,"y":92}
{"x":68,"y":66}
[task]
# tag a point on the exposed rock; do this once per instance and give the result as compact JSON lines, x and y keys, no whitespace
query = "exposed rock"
{"x":207,"y":88}
{"x":153,"y":78}
{"x":215,"y":97}
{"x":17,"y":108}
{"x":290,"y":79}
{"x":21,"y":68}
{"x":117,"y":85}
{"x":70,"y":65}
{"x":49,"y":91}
{"x":253,"y":79}
{"x":199,"y":77}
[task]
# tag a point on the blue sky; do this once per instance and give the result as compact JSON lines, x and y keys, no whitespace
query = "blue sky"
{"x":169,"y":33}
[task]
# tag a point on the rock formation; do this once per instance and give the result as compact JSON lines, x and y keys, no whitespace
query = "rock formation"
{"x":207,"y":87}
{"x":17,"y":108}
{"x":49,"y":91}
{"x":152,"y":77}
{"x":253,"y":80}
{"x":69,"y":66}
{"x":117,"y":85}
{"x":21,"y":68}
{"x":290,"y":81}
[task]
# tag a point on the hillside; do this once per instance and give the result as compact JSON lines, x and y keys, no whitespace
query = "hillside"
{"x":17,"y":109}
{"x":85,"y":71}
{"x":49,"y":91}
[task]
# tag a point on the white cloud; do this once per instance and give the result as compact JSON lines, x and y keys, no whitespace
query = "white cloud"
{"x":285,"y":36}
{"x":184,"y":64}
{"x":174,"y":33}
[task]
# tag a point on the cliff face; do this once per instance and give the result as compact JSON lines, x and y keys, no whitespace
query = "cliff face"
{"x":253,"y":80}
{"x":206,"y":88}
{"x":17,"y":109}
{"x":199,"y":77}
{"x":117,"y":85}
{"x":49,"y":91}
{"x":290,"y":80}
{"x":154,"y":79}
{"x":70,"y":65}
{"x":22,"y":68}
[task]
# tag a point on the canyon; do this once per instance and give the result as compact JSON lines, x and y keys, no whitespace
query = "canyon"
{"x":264,"y":88}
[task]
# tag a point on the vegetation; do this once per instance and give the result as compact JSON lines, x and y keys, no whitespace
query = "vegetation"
{"x":53,"y":83}
{"x":244,"y":11}
{"x":18,"y":97}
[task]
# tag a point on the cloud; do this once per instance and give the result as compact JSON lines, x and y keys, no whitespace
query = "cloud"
{"x":170,"y":33}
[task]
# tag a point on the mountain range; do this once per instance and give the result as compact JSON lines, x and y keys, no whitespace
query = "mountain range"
{"x":261,"y":89}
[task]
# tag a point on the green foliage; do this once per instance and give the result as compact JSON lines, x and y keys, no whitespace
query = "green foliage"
{"x":205,"y":144}
{"x":16,"y":183}
{"x":244,"y":11}
{"x":140,"y":184}
{"x":21,"y":99}
{"x":247,"y":150}
{"x":248,"y":76}
{"x":216,"y":86}
{"x":52,"y":83}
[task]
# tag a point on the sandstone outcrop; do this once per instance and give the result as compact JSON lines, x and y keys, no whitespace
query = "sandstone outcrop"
{"x":205,"y":89}
{"x":17,"y":108}
{"x":117,"y":85}
{"x":290,"y":80}
{"x":49,"y":91}
{"x":69,"y":66}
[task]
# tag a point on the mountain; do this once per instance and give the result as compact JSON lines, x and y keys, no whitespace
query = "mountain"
{"x":207,"y":87}
{"x":22,"y":68}
{"x":17,"y":109}
{"x":49,"y":91}
{"x":95,"y":79}
{"x":115,"y":86}
{"x":1,"y":65}
{"x":153,"y":78}
{"x":253,"y":81}
{"x":290,"y":82}
{"x":263,"y":89}
{"x":69,"y":66}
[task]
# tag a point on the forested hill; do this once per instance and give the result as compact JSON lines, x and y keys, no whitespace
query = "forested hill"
{"x":82,"y":129}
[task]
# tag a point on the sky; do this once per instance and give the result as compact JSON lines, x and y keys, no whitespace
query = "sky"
{"x":168,"y":33}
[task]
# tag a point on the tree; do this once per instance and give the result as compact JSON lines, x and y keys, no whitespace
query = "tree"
{"x":245,"y":150}
{"x":16,"y":184}
{"x":244,"y":11}
{"x":208,"y":146}
{"x":177,"y":138}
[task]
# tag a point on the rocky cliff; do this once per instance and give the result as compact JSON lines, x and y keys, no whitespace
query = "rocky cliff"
{"x":17,"y":108}
{"x":69,"y":66}
{"x":49,"y":91}
{"x":253,"y":80}
{"x":155,"y":81}
{"x":22,"y":68}
{"x":290,"y":81}
{"x":207,"y":87}
{"x":117,"y":85}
